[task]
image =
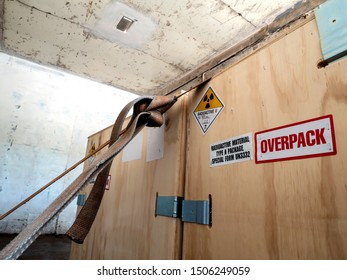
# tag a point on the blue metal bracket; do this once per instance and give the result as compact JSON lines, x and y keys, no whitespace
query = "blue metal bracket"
{"x":196,"y":211}
{"x":190,"y":211}
{"x":169,"y":206}
{"x":81,"y":199}
{"x":331,"y":18}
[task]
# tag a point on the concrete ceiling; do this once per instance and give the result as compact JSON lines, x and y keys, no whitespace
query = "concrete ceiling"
{"x":167,"y":39}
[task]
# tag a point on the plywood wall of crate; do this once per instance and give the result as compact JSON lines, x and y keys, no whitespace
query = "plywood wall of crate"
{"x":290,"y":209}
{"x":293,"y":209}
{"x":126,"y":226}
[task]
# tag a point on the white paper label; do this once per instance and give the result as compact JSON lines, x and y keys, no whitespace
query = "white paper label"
{"x":155,"y":143}
{"x":133,"y":150}
{"x":236,"y":149}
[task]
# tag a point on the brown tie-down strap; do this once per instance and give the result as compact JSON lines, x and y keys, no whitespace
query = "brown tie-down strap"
{"x":147,"y":111}
{"x":156,"y":107}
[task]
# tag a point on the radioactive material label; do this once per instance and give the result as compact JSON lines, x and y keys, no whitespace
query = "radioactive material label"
{"x":208,"y":109}
{"x":233,"y":150}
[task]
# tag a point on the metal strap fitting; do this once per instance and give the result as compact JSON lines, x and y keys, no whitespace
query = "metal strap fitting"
{"x":190,"y":211}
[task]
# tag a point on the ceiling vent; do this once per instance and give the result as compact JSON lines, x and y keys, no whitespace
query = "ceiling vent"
{"x":124,"y":24}
{"x":121,"y":24}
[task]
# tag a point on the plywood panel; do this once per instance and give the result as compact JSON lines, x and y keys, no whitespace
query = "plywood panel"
{"x":126,"y":226}
{"x":283,"y":210}
{"x":94,"y":141}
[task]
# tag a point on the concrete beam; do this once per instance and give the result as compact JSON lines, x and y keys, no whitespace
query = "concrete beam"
{"x":228,"y":57}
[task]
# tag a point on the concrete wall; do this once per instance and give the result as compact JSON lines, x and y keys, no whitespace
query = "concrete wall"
{"x":45,"y":119}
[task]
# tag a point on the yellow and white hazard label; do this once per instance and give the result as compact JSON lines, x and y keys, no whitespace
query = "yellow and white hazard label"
{"x":208,"y":109}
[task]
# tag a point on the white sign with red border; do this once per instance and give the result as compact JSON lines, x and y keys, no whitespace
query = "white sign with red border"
{"x":310,"y":138}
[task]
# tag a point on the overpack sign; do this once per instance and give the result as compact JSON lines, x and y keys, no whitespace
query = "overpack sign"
{"x":207,"y":110}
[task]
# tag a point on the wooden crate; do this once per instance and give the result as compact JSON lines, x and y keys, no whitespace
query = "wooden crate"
{"x":282,"y":210}
{"x":292,"y":209}
{"x":126,"y":226}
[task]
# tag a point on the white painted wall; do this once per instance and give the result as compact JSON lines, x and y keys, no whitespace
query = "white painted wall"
{"x":45,"y":119}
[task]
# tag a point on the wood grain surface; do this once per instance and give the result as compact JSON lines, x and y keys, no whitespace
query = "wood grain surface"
{"x":293,"y":209}
{"x":284,"y":210}
{"x":126,"y":226}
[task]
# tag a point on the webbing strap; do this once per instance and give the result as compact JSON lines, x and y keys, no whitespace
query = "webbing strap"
{"x":146,"y":111}
{"x":86,"y":216}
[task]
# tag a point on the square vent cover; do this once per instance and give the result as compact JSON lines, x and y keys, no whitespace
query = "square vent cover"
{"x":122,"y":24}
